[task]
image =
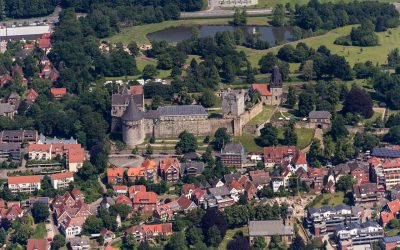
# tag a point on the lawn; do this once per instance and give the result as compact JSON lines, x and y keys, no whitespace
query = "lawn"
{"x":387,"y":41}
{"x":304,"y":137}
{"x":327,"y":200}
{"x":374,"y":117}
{"x":139,"y":33}
{"x":262,"y":117}
{"x":229,"y":236}
{"x":40,"y":232}
{"x":247,"y":140}
{"x":392,"y":232}
{"x":117,"y":244}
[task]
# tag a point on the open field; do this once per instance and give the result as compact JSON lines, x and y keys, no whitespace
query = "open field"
{"x":378,"y":54}
{"x":229,"y":236}
{"x":304,"y":137}
{"x":327,"y":200}
{"x":248,"y":143}
{"x":139,"y":33}
{"x":262,"y":117}
{"x":40,"y":232}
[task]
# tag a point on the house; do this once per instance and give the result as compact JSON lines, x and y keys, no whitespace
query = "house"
{"x":7,"y":110}
{"x":354,"y":234}
{"x":236,"y":189}
{"x":122,"y":199}
{"x":185,"y":204}
{"x":299,"y":161}
{"x":216,"y":183}
{"x":230,"y":177}
{"x":386,"y":217}
{"x":390,"y":242}
{"x":107,"y":202}
{"x":135,"y":189}
{"x":24,"y":184}
{"x":37,"y":245}
{"x":5,"y":79}
{"x":120,"y":189}
{"x":260,"y":178}
{"x":319,"y":119}
{"x":44,"y":43}
{"x":360,"y":172}
{"x":80,"y":243}
{"x":115,"y":175}
{"x":72,"y":227}
{"x":145,"y":202}
{"x":50,"y":73}
{"x":250,"y":190}
{"x":107,"y":235}
{"x":166,"y":212}
{"x":169,"y":169}
{"x":187,"y":190}
{"x":198,"y":196}
{"x":31,"y":96}
{"x":18,"y":136}
{"x":13,"y":99}
{"x":269,"y":228}
{"x":58,"y":93}
{"x":147,"y":170}
{"x":393,"y":206}
{"x":10,"y":150}
{"x":12,"y":212}
{"x":193,"y":168}
{"x":202,"y":184}
{"x":316,"y":177}
{"x":277,"y":155}
{"x":365,"y":193}
{"x":61,"y":180}
{"x":192,"y":156}
{"x":233,"y":155}
{"x":149,"y":232}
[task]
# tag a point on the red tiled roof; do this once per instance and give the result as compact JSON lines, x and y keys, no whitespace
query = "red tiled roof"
{"x":13,"y":203}
{"x":187,"y":187}
{"x":44,"y":43}
{"x":37,"y":245}
{"x":76,"y":192}
{"x":76,"y":154}
{"x":122,"y":199}
{"x":300,"y":158}
{"x":278,"y":152}
{"x":165,"y":163}
{"x":184,"y":202}
{"x":136,"y":188}
{"x":75,"y":221}
{"x":61,"y":175}
{"x":386,"y":217}
{"x":115,"y":172}
{"x":263,"y":89}
{"x":145,"y":197}
{"x":149,"y":164}
{"x":394,"y":206}
{"x":58,"y":91}
{"x":39,"y":147}
{"x":236,"y":185}
{"x":136,"y":90}
{"x":2,"y":203}
{"x":198,"y":193}
{"x":158,"y":228}
{"x":110,"y":248}
{"x":136,"y":171}
{"x":23,"y":179}
{"x":120,"y":188}
{"x":32,"y":94}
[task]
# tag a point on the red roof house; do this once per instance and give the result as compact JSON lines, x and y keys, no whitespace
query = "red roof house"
{"x":145,"y":202}
{"x":31,"y":95}
{"x":58,"y":93}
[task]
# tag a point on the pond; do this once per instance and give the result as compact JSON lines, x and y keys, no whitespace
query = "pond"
{"x":181,"y":33}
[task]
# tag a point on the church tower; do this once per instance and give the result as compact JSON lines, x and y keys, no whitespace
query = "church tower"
{"x":133,"y":125}
{"x":275,"y":86}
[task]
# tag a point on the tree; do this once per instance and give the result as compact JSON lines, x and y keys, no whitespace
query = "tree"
{"x":58,"y":242}
{"x":238,"y":242}
{"x":150,"y":71}
{"x":394,"y":58}
{"x":221,"y":137}
{"x":176,"y":242}
{"x":278,"y":18}
{"x":345,"y":183}
{"x":122,"y":209}
{"x":214,"y":218}
{"x":268,"y":136}
{"x":40,"y":212}
{"x":298,"y":243}
{"x":259,"y":243}
{"x":393,"y":136}
{"x":208,"y":99}
{"x":133,"y":48}
{"x":291,"y":97}
{"x":93,"y":225}
{"x":289,"y":133}
{"x":364,"y":35}
{"x":267,"y":63}
{"x":338,"y":128}
{"x":194,"y":235}
{"x":22,"y":234}
{"x":214,"y":236}
{"x":358,"y":101}
{"x":240,"y":17}
{"x":315,"y":154}
{"x":187,"y":143}
{"x":306,"y":103}
{"x":129,"y":242}
{"x":149,"y":150}
{"x":3,"y":236}
{"x":307,"y":69}
{"x":275,"y":241}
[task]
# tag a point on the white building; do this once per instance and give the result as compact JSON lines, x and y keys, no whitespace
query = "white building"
{"x":24,"y":184}
{"x":61,"y":180}
{"x":72,"y":227}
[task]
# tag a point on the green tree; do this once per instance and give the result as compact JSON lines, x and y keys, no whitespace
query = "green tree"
{"x":267,"y":63}
{"x":338,"y":128}
{"x":259,"y":243}
{"x":275,"y":241}
{"x":93,"y":225}
{"x":358,"y":101}
{"x":149,"y":150}
{"x":176,"y":242}
{"x":22,"y":234}
{"x":150,"y":71}
{"x":129,"y":242}
{"x":58,"y":242}
{"x":208,"y":98}
{"x":221,"y":137}
{"x":289,"y":133}
{"x":133,"y":48}
{"x":194,"y":235}
{"x":122,"y":209}
{"x":298,"y":243}
{"x":3,"y":236}
{"x":315,"y":154}
{"x":40,"y":212}
{"x":393,"y":223}
{"x":268,"y":136}
{"x":291,"y":97}
{"x":306,"y":103}
{"x":345,"y":183}
{"x":278,"y":17}
{"x":214,"y":236}
{"x":187,"y":143}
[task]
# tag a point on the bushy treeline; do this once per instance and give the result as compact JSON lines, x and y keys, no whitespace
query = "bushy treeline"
{"x":26,"y":9}
{"x":316,"y":15}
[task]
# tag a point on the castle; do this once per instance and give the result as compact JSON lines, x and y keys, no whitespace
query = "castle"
{"x":129,"y":116}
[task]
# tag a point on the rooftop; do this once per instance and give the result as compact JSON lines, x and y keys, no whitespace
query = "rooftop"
{"x":182,"y":110}
{"x":319,"y":115}
{"x":269,"y":227}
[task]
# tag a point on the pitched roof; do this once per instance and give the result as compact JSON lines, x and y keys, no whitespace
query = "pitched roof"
{"x":58,"y":91}
{"x":136,"y":90}
{"x":187,"y":187}
{"x":300,"y":158}
{"x":62,"y":175}
{"x":166,"y":163}
{"x":120,"y":188}
{"x":394,"y":206}
{"x":386,"y":217}
{"x":184,"y":202}
{"x":122,"y":199}
{"x":132,"y":112}
{"x":219,"y":191}
{"x":182,"y":110}
{"x":37,"y":244}
{"x":136,"y":188}
{"x":278,"y":151}
{"x":145,"y":197}
{"x":319,"y":115}
{"x":232,"y":148}
{"x":135,"y":171}
{"x":262,"y":88}
{"x":114,"y":172}
{"x":31,"y":94}
{"x":236,"y":185}
{"x":149,"y":164}
{"x":23,"y":179}
{"x":276,"y":77}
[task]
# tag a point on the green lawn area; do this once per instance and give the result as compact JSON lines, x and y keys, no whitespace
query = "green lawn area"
{"x":327,"y":200}
{"x":387,"y":41}
{"x":262,"y":117}
{"x":392,"y":232}
{"x":139,"y":33}
{"x":304,"y":137}
{"x":117,"y":244}
{"x":40,"y":232}
{"x":229,"y":236}
{"x":375,"y":116}
{"x":248,"y":143}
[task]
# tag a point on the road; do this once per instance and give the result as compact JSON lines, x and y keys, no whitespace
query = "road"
{"x":53,"y":18}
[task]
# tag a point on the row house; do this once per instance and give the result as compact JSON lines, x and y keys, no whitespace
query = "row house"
{"x":24,"y":184}
{"x":11,"y":149}
{"x":169,"y":169}
{"x":149,"y":232}
{"x":322,"y":220}
{"x":355,"y":233}
{"x":18,"y":136}
{"x":147,"y":170}
{"x":61,"y":180}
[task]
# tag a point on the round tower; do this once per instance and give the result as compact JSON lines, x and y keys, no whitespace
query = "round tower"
{"x":132,"y":125}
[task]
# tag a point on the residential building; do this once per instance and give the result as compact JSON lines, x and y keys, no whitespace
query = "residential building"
{"x":148,"y":171}
{"x":385,"y":172}
{"x":120,"y":189}
{"x":145,"y":202}
{"x":390,"y":242}
{"x":320,"y":119}
{"x":115,"y":175}
{"x":360,"y":172}
{"x":260,"y":178}
{"x":80,"y":243}
{"x":34,"y":244}
{"x":277,"y":155}
{"x":149,"y":232}
{"x":11,"y":149}
{"x":192,"y":168}
{"x":19,"y":136}
{"x":71,"y":227}
{"x":167,"y":211}
{"x":185,"y":204}
{"x":325,"y":219}
{"x":24,"y":184}
{"x":107,"y":235}
{"x":122,"y":199}
{"x":61,"y":180}
{"x":298,"y":161}
{"x":187,"y":190}
{"x":169,"y":169}
{"x":269,"y":228}
{"x":133,"y":190}
{"x":7,"y":110}
{"x":365,"y":193}
{"x":58,"y":93}
{"x":233,"y":155}
{"x":355,"y":233}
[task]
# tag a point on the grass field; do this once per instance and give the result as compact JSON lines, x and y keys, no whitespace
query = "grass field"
{"x":327,"y":200}
{"x":392,"y":232}
{"x":248,"y":143}
{"x":139,"y":33}
{"x":378,"y":54}
{"x":262,"y":117}
{"x":304,"y":137}
{"x":40,"y":232}
{"x":229,"y":236}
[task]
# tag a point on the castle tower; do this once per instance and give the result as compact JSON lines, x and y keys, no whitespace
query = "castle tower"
{"x":275,"y":86}
{"x":233,"y":103}
{"x":133,"y":125}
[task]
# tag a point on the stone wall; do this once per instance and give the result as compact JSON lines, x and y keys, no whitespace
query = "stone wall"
{"x":250,"y":114}
{"x":221,"y":123}
{"x":172,"y":128}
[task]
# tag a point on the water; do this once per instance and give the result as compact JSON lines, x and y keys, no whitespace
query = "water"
{"x":181,"y":33}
